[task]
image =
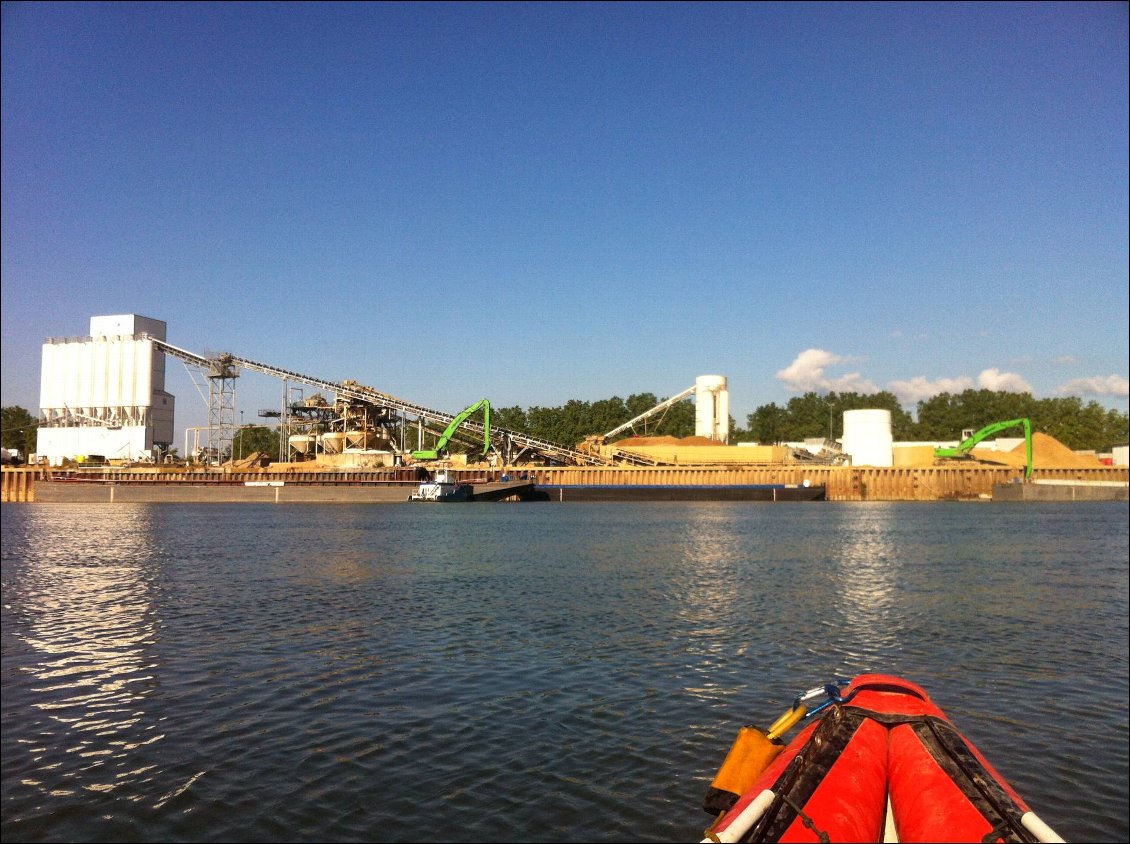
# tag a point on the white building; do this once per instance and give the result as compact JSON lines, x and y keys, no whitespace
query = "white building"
{"x":105,"y":394}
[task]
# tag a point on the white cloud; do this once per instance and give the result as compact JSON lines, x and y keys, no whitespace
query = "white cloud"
{"x":1067,"y":360}
{"x":807,"y":374}
{"x":853,"y":382}
{"x":919,"y":388}
{"x":1005,"y":382}
{"x":1098,"y":385}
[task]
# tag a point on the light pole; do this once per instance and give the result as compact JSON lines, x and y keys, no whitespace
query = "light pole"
{"x":242,"y":431}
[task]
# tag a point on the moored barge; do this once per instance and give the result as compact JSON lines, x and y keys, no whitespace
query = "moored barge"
{"x":684,"y":492}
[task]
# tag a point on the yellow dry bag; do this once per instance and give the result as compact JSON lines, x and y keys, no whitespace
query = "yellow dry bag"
{"x":749,"y":756}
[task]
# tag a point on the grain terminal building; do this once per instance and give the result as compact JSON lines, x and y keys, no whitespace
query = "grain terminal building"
{"x":104,"y":394}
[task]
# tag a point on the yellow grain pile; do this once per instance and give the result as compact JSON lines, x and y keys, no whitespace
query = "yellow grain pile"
{"x":633,"y":442}
{"x":697,"y":451}
{"x":254,"y":460}
{"x":1047,"y":453}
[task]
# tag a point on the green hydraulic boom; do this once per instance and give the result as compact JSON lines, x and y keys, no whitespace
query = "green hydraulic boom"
{"x":966,"y":446}
{"x":441,"y":444}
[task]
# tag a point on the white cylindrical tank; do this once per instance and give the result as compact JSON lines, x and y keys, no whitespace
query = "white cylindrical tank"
{"x":867,"y":437}
{"x":75,"y":353}
{"x":99,"y":391}
{"x":143,"y":373}
{"x":722,"y":411}
{"x":127,"y":374}
{"x":712,"y":407}
{"x":114,"y":376}
{"x":85,"y":358}
{"x":60,"y":376}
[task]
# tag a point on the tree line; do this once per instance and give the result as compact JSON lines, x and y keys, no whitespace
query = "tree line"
{"x":18,"y":430}
{"x":943,"y":417}
{"x":1079,"y":426}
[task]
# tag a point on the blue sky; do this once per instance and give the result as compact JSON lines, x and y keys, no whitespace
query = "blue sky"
{"x":533,"y":203}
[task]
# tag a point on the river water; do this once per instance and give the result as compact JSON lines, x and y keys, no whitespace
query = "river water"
{"x":529,"y":672}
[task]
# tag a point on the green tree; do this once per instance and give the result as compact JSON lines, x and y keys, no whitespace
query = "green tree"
{"x":18,"y":430}
{"x":767,"y":424}
{"x":1081,"y":426}
{"x":816,"y":415}
{"x":678,"y":420}
{"x":739,"y":434}
{"x":1078,"y":426}
{"x":509,"y":418}
{"x":945,"y":416}
{"x":607,"y":414}
{"x":252,"y":438}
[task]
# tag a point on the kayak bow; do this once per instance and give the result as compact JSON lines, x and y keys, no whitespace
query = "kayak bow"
{"x":881,"y":763}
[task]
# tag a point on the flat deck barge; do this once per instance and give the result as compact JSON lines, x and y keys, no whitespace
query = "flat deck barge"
{"x":684,"y":492}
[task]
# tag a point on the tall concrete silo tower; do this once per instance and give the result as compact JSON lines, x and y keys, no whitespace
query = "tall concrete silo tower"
{"x":105,"y":393}
{"x":712,"y":407}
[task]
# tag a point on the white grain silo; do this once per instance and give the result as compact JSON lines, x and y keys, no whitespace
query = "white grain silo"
{"x":867,"y":437}
{"x":712,"y":407}
{"x":105,"y":393}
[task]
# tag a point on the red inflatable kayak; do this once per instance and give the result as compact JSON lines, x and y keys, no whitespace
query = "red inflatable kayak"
{"x":881,"y":763}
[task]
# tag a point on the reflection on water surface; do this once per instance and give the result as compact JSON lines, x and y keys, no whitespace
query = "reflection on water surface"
{"x":527,"y":672}
{"x":87,"y":629}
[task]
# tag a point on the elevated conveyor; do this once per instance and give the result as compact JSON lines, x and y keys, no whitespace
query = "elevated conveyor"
{"x":512,"y":444}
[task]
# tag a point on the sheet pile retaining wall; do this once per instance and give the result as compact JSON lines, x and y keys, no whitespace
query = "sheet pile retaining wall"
{"x":842,"y":483}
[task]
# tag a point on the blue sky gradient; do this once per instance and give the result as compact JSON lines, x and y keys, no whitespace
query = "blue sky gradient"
{"x":533,"y":203}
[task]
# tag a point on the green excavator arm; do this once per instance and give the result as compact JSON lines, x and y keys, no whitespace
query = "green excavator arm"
{"x":463,"y":416}
{"x":966,"y":446}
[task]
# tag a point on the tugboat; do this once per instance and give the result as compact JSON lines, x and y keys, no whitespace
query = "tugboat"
{"x":443,"y":488}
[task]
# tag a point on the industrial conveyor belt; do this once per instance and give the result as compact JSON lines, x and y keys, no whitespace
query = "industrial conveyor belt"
{"x":552,"y":450}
